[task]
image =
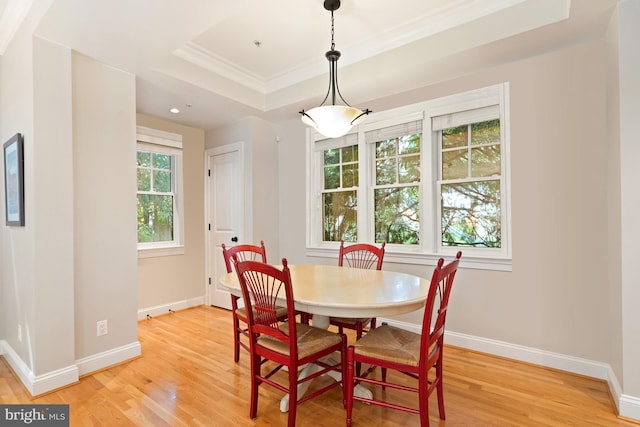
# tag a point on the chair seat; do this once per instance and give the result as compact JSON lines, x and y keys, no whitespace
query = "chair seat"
{"x":390,"y":344}
{"x":310,"y":340}
{"x":281,"y":313}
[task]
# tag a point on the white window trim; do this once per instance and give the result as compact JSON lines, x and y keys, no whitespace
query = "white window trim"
{"x":429,"y":251}
{"x":170,"y":143}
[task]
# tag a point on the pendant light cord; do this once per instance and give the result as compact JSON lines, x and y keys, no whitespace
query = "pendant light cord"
{"x":333,"y":44}
{"x":333,"y":120}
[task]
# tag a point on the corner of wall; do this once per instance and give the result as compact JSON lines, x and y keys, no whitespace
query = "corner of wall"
{"x":39,"y":384}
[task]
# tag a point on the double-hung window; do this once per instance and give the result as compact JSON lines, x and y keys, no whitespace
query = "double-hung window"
{"x":159,"y":185}
{"x":469,"y":184}
{"x":428,"y":179}
{"x":339,"y":189}
{"x":395,"y":183}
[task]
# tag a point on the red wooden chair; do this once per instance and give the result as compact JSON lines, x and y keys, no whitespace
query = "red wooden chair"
{"x":416,"y":355}
{"x":288,"y":344}
{"x":365,"y":256}
{"x":242,"y":252}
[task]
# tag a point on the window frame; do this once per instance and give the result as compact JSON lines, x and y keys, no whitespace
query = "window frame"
{"x":430,"y":248}
{"x":157,"y":141}
{"x":404,"y":116}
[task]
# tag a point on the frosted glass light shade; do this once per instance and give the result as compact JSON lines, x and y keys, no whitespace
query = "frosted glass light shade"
{"x":333,"y":121}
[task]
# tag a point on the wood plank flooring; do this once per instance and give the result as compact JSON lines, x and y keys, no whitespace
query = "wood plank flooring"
{"x":186,"y":377}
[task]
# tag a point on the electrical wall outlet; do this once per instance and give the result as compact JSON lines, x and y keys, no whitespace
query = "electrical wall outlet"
{"x":102,"y":328}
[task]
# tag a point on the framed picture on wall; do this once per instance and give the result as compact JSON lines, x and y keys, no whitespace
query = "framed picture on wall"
{"x":14,"y":180}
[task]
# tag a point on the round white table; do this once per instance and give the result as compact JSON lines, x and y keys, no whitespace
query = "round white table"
{"x":328,"y":290}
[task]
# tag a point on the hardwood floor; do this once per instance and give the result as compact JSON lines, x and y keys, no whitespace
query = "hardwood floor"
{"x":186,"y":377}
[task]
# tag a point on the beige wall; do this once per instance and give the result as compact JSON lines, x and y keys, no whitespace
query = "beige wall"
{"x":262,"y":165}
{"x":52,"y":205}
{"x":628,"y":14}
{"x":36,"y":272}
{"x":104,"y":199}
{"x":572,"y":292}
{"x":17,"y":261}
{"x":555,"y":299}
{"x":174,"y":282}
{"x":28,"y":272}
{"x":570,"y":299}
{"x":73,"y":263}
{"x":613,"y":201}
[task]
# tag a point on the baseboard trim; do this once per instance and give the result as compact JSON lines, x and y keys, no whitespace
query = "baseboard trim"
{"x":103,"y":360}
{"x":38,"y":384}
{"x":627,"y":406}
{"x":169,"y":307}
{"x":536,"y":356}
{"x":518,"y":352}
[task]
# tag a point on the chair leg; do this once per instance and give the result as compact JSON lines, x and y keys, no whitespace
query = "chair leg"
{"x":358,"y":336}
{"x":347,"y":384}
{"x":440,"y":388}
{"x":255,"y":383}
{"x":236,"y":339}
{"x":236,"y":329}
{"x":293,"y":395}
{"x":343,"y":371}
{"x":384,"y":377}
{"x":423,"y":400}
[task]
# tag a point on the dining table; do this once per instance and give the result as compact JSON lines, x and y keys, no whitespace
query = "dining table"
{"x":331,"y":291}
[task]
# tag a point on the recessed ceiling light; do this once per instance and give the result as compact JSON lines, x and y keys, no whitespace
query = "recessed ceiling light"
{"x":174,"y":110}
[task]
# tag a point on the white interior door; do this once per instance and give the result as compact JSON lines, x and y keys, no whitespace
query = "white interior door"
{"x":225,"y":213}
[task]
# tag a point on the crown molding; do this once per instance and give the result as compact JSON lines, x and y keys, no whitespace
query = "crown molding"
{"x":453,"y":14}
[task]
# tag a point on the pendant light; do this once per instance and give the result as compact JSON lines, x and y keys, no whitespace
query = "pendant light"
{"x":333,"y":120}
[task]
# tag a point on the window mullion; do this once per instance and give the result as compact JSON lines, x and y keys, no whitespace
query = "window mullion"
{"x":365,"y":191}
{"x":470,"y":160}
{"x":431,"y":178}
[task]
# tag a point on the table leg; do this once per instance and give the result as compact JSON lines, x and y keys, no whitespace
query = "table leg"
{"x":321,"y":322}
{"x":310,"y":369}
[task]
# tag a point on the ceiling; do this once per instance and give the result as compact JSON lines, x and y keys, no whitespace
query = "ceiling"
{"x":221,"y":60}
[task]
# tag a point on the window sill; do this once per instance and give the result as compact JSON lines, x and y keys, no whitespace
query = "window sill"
{"x":160,"y":252}
{"x":423,"y":258}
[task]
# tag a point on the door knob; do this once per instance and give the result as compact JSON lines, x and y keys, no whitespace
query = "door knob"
{"x":234,"y":239}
